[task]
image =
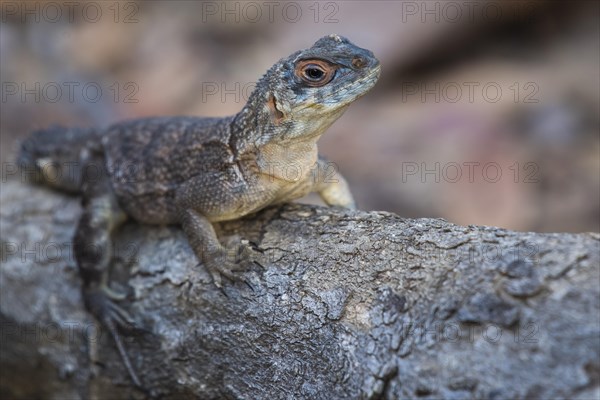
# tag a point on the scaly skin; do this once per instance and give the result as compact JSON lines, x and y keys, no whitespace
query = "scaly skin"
{"x":196,"y":171}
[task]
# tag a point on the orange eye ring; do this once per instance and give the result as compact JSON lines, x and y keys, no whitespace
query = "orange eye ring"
{"x":315,"y":72}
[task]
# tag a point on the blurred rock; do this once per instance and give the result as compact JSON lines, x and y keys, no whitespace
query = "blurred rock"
{"x":437,"y":101}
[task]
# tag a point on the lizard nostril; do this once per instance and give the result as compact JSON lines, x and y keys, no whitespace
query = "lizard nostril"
{"x":358,"y":62}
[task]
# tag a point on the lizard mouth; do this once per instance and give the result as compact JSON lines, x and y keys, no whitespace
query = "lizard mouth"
{"x":371,"y":78}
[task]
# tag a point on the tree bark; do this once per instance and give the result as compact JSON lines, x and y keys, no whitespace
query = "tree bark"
{"x":344,"y":304}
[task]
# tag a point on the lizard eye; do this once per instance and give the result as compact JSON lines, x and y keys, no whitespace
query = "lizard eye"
{"x":315,"y":72}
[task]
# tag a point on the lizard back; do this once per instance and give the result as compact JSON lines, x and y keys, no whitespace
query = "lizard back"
{"x":148,"y":159}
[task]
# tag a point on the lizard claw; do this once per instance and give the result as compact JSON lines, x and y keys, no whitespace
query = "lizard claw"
{"x":113,"y":294}
{"x":218,"y":270}
{"x":229,"y":263}
{"x":224,"y":265}
{"x":100,"y":302}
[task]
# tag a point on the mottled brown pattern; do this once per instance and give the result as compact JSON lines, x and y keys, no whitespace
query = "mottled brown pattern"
{"x":195,"y":171}
{"x":149,"y":159}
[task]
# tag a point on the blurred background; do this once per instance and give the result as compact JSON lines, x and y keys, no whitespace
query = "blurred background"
{"x":486,"y":113}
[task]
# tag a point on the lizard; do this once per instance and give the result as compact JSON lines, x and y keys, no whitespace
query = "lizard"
{"x":196,"y":171}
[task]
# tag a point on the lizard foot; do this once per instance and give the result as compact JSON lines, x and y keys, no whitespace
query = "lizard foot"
{"x":230,"y":261}
{"x":99,"y":302}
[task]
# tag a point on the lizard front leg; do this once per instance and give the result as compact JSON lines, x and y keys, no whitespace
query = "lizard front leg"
{"x":214,"y":197}
{"x":219,"y":260}
{"x":331,"y":186}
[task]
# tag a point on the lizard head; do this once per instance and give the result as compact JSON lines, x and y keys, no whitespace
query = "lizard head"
{"x":306,"y":92}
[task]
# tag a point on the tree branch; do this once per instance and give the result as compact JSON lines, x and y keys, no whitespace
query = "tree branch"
{"x":347,"y":304}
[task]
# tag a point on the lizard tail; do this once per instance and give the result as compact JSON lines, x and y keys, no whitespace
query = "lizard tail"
{"x":54,"y":156}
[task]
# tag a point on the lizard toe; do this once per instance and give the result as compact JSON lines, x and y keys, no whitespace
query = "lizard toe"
{"x":112,"y":317}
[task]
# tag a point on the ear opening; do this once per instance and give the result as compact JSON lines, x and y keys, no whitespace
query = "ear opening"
{"x":276,"y":114}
